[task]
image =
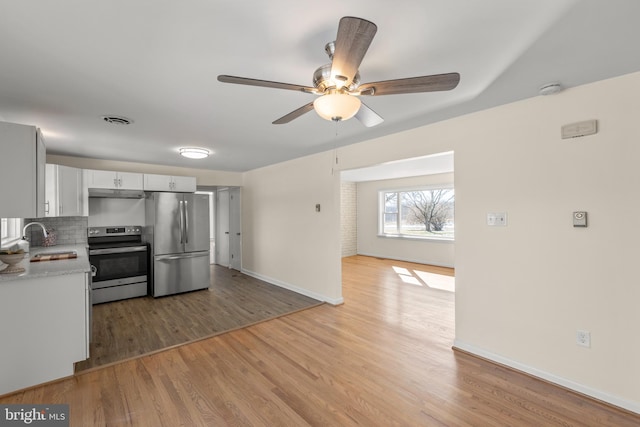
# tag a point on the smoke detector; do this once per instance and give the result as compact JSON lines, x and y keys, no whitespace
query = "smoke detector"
{"x":117,"y":120}
{"x":550,"y":89}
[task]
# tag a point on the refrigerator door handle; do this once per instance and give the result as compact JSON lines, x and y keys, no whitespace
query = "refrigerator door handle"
{"x":182,"y":256}
{"x":186,"y":221}
{"x":181,"y":213}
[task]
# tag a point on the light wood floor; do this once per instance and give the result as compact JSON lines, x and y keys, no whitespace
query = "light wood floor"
{"x":383,"y":358}
{"x":130,"y":328}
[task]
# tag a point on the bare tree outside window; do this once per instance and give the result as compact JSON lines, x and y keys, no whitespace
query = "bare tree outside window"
{"x":419,"y":213}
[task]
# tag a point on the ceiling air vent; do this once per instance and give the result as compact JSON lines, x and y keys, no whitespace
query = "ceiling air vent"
{"x":117,"y":120}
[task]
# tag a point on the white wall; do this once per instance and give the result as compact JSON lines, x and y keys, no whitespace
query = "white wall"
{"x":285,"y":241}
{"x":522,"y":290}
{"x":432,"y":252}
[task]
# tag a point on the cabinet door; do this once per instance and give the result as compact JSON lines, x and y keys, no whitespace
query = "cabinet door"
{"x":185,"y":184}
{"x":41,"y":161}
{"x":22,"y":167}
{"x":51,"y":190}
{"x":64,"y":191}
{"x":101,"y":179}
{"x":129,"y":181}
{"x":69,"y":191}
{"x":153,"y":182}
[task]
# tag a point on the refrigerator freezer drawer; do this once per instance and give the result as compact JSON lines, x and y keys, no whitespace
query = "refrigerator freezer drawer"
{"x":176,"y":273}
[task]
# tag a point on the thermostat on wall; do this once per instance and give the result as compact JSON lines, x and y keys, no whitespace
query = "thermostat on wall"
{"x":580,"y":219}
{"x":575,"y":130}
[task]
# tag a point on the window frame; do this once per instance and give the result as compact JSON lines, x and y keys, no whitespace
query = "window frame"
{"x":382,"y":212}
{"x":10,"y":231}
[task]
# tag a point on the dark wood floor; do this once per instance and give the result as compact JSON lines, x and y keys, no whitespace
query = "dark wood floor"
{"x":383,"y":358}
{"x":130,"y":328}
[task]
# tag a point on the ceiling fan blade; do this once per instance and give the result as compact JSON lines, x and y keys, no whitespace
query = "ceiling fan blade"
{"x":367,"y":116}
{"x":294,"y":114}
{"x":353,"y":40}
{"x":265,"y":83}
{"x":433,"y":83}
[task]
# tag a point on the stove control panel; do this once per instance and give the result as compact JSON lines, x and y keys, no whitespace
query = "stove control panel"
{"x":126,"y":230}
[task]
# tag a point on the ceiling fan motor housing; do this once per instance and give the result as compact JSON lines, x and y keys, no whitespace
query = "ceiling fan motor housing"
{"x":322,"y":80}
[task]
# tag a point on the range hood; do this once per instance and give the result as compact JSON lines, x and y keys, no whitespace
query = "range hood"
{"x":116,"y":194}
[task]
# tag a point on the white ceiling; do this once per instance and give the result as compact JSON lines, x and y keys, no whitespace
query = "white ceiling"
{"x":66,"y":63}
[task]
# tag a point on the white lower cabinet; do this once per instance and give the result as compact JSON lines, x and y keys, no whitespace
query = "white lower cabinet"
{"x":44,"y":328}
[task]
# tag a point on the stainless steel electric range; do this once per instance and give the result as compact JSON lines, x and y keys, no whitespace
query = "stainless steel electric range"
{"x":119,"y":262}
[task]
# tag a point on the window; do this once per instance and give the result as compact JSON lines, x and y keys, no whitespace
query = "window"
{"x":9,"y":230}
{"x":419,"y":213}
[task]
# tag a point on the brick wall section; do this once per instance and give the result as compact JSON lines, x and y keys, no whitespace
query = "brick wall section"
{"x":69,"y":230}
{"x":348,"y":218}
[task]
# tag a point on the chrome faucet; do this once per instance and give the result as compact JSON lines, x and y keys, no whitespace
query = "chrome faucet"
{"x":24,"y":243}
{"x":24,"y":230}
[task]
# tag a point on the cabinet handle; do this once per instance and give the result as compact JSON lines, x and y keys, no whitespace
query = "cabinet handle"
{"x":119,"y":182}
{"x":115,"y":182}
{"x":46,"y":207}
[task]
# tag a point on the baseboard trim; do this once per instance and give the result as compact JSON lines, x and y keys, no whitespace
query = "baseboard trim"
{"x":416,"y":261}
{"x":301,"y":291}
{"x":546,"y":376}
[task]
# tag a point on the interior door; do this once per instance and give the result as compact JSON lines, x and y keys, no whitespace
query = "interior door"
{"x":222,"y":227}
{"x":235,"y":229}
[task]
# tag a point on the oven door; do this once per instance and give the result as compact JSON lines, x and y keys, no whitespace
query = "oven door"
{"x":118,"y":266}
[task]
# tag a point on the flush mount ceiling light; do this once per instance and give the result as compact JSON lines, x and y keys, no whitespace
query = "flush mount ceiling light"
{"x":550,"y":89}
{"x":336,"y":106}
{"x":194,"y":153}
{"x":117,"y":120}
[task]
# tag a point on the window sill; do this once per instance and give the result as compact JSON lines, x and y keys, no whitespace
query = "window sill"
{"x":407,"y":237}
{"x":7,"y":243}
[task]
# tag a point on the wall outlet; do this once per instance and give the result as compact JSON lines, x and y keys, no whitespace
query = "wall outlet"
{"x":583,"y":338}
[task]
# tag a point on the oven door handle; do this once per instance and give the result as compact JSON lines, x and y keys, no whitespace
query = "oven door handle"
{"x":117,"y":250}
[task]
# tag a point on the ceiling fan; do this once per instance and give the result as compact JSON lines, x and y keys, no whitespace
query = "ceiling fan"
{"x":338,"y":83}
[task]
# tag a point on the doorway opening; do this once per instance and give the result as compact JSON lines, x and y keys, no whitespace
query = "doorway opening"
{"x":364,"y":230}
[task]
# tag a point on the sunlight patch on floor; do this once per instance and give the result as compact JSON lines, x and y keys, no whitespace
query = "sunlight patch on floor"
{"x":423,"y":278}
{"x":437,"y":281}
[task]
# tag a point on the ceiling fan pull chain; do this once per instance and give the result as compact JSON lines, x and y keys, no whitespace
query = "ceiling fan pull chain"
{"x":334,"y":158}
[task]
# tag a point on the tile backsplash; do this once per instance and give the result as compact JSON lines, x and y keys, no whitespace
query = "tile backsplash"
{"x":69,"y":230}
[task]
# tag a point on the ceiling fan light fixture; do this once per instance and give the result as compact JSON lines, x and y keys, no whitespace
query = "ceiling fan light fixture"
{"x":336,"y":106}
{"x":194,"y":153}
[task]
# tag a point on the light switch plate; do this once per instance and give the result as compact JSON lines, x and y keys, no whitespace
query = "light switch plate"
{"x":580,"y":219}
{"x":497,"y":219}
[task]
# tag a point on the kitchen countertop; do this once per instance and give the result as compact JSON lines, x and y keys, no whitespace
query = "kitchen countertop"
{"x":50,"y":268}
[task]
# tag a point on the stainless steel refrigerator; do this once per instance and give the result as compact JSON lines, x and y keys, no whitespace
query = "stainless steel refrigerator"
{"x":177,"y":229}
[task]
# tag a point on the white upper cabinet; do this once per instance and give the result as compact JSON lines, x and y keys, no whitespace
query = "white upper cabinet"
{"x":22,"y":171}
{"x":64,"y":191}
{"x":113,"y":180}
{"x":182,"y":184}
